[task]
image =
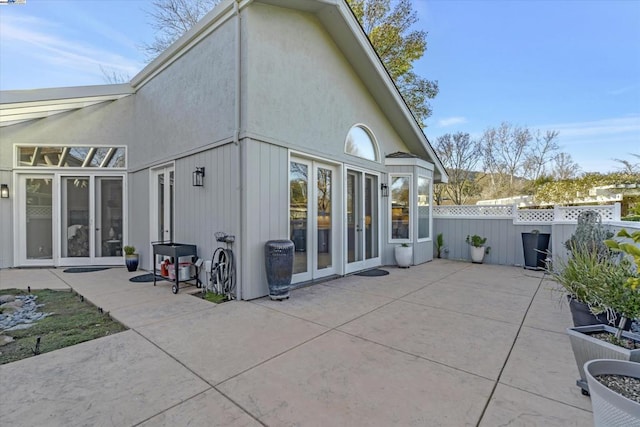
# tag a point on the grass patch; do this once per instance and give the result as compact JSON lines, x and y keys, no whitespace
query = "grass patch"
{"x":212,"y":297}
{"x":73,"y":321}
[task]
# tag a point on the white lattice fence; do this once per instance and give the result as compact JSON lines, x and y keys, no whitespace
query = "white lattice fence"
{"x":473,"y":211}
{"x":534,"y":215}
{"x":571,"y":213}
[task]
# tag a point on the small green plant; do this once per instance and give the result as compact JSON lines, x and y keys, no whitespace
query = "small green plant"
{"x":215,"y":297}
{"x":129,"y":250}
{"x":439,"y":244}
{"x":476,"y":241}
{"x":405,"y":245}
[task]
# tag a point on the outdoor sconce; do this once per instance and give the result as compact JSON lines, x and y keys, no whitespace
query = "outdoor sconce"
{"x":384,"y":188}
{"x":197,"y":176}
{"x":4,"y":191}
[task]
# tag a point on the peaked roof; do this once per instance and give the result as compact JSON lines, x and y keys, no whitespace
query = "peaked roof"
{"x":335,"y":15}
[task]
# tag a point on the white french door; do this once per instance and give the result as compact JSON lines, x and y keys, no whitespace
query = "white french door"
{"x":162,"y":196}
{"x":362,"y":220}
{"x":69,"y":219}
{"x":91,"y":219}
{"x":312,"y":218}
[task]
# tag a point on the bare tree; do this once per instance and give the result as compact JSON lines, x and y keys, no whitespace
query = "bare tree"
{"x":171,"y":19}
{"x":460,"y":156}
{"x":628,"y":166}
{"x":505,"y":150}
{"x":113,"y":76}
{"x":541,"y":152}
{"x":564,"y":167}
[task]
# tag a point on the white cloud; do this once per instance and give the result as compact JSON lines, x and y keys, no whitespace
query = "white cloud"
{"x":450,"y":121}
{"x":37,"y":39}
{"x":599,"y":128}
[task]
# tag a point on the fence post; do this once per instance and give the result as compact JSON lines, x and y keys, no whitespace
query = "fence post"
{"x":616,"y":211}
{"x":556,"y":213}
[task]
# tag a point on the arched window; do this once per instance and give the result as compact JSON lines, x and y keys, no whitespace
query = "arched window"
{"x":360,"y":142}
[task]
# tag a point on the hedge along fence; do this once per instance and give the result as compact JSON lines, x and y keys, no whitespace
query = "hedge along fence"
{"x":502,"y":225}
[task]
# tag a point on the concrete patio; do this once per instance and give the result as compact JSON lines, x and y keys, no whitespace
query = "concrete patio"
{"x":445,"y":343}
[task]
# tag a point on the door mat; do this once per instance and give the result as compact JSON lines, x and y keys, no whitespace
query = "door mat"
{"x":373,"y":273}
{"x":146,"y":278}
{"x":84,"y":269}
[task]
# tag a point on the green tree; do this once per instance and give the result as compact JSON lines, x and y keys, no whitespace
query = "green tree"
{"x":398,"y":46}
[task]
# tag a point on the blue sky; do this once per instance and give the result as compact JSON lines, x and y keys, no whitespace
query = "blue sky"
{"x":572,"y":66}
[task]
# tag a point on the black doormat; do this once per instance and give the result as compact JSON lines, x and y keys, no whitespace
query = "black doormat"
{"x":373,"y":273}
{"x":84,"y":269}
{"x":146,"y":278}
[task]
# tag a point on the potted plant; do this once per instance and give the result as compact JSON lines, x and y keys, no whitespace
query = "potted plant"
{"x":439,"y":245}
{"x":586,"y":263}
{"x":404,"y":255}
{"x":618,"y":291}
{"x":535,"y":246}
{"x":611,"y":384}
{"x":131,"y":258}
{"x":477,"y":249}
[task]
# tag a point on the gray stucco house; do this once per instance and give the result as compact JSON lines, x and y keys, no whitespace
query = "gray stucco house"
{"x":284,"y":103}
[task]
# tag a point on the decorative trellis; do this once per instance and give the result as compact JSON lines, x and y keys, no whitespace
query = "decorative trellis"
{"x":534,"y":215}
{"x":473,"y":211}
{"x":531,"y":216}
{"x":38,"y":211}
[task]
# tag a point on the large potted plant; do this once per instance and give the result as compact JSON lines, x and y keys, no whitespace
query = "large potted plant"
{"x":477,"y":248}
{"x":618,"y":291}
{"x":131,"y":258}
{"x":587,"y":260}
{"x":614,"y":388}
{"x":404,"y":255}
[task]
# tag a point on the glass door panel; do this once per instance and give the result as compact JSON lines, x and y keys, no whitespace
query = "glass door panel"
{"x":109,"y":214}
{"x":353,"y":216}
{"x":299,"y":214}
{"x":75,"y":215}
{"x":38,"y":205}
{"x":324,"y":223}
{"x":363,"y":222}
{"x":371,"y":220}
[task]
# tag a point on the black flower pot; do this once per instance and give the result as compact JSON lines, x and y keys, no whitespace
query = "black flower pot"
{"x":278,"y":258}
{"x":535,"y":247}
{"x":582,"y":316}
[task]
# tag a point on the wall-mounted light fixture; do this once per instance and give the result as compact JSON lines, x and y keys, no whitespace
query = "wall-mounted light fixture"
{"x":384,"y":188}
{"x":4,"y":191}
{"x":197,"y":176}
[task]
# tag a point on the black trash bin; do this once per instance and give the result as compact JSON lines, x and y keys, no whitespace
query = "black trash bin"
{"x":535,"y":246}
{"x":278,"y":259}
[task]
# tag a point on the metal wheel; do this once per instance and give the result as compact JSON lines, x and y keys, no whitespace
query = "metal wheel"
{"x":174,"y":289}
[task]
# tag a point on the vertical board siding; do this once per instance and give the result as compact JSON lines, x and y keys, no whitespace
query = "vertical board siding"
{"x":202,"y":211}
{"x":502,"y":235}
{"x":139,"y":214}
{"x":6,"y":221}
{"x":266,"y":177}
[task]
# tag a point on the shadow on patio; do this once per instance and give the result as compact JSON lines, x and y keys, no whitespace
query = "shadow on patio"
{"x":444,"y":343}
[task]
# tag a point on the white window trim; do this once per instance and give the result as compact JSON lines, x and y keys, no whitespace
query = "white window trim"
{"x":374,"y":141}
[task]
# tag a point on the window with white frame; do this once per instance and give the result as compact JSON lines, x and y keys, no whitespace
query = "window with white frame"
{"x":424,"y":198}
{"x":361,"y":143}
{"x":61,"y":156}
{"x":401,"y":196}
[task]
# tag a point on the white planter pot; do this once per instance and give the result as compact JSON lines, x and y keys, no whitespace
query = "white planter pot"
{"x":404,"y":256}
{"x":609,"y":407}
{"x":477,"y":254}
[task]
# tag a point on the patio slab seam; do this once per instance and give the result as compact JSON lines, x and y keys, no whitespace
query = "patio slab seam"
{"x":211,"y":386}
{"x":504,"y":364}
{"x":544,"y":397}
